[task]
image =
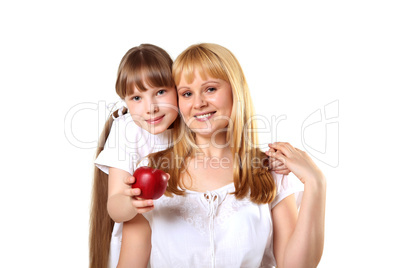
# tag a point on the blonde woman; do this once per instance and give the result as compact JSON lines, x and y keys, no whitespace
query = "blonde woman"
{"x":223,"y":206}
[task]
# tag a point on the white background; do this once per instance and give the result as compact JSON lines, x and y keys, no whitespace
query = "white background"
{"x":298,"y":57}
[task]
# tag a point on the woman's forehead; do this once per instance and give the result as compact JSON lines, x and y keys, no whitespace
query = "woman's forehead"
{"x":187,"y":77}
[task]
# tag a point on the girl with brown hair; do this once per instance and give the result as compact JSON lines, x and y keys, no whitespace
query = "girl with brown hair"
{"x":146,"y":85}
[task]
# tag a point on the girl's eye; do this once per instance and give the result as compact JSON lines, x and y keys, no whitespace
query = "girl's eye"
{"x":161,"y":92}
{"x":211,"y":89}
{"x":136,"y":98}
{"x":186,"y":94}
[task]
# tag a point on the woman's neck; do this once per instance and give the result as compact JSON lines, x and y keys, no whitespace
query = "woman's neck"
{"x":213,"y":146}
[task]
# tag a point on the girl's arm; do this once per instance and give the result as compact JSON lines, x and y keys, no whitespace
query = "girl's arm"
{"x":122,"y":203}
{"x":299,"y":241}
{"x":135,"y":244}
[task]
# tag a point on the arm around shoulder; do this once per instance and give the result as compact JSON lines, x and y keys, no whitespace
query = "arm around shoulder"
{"x":304,"y":246}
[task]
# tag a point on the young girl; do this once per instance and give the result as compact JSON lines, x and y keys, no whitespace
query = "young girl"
{"x":233,"y":211}
{"x":145,"y":83}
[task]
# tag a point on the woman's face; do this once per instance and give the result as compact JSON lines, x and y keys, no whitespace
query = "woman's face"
{"x":205,"y":105}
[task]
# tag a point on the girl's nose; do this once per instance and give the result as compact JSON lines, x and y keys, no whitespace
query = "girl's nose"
{"x":153,"y":108}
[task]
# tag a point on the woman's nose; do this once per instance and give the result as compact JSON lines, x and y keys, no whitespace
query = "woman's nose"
{"x":199,"y":102}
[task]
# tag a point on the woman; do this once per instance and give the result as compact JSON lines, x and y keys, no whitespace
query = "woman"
{"x":222,"y":204}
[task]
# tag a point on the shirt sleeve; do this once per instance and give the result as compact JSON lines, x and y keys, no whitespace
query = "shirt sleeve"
{"x":287,"y":185}
{"x":117,"y":153}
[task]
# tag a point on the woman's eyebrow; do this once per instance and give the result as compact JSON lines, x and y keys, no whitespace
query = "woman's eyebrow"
{"x":203,"y":84}
{"x":183,"y":87}
{"x":210,"y":81}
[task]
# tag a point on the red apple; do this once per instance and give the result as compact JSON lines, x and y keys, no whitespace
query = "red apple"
{"x":152,"y":182}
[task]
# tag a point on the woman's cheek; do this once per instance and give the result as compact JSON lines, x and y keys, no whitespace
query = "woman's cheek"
{"x":184,"y":108}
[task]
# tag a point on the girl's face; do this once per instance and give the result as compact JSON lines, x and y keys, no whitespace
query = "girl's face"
{"x":206,"y":105}
{"x":153,"y":110}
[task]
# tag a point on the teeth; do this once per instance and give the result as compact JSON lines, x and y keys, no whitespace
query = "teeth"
{"x":203,"y":115}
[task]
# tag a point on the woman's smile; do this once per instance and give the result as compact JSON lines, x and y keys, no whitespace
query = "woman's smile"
{"x":204,"y":116}
{"x":205,"y":104}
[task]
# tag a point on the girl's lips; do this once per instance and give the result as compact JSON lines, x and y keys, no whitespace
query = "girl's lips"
{"x":155,"y":120}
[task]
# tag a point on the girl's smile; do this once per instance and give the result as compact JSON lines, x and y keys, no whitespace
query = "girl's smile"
{"x":155,"y":120}
{"x":154,"y":109}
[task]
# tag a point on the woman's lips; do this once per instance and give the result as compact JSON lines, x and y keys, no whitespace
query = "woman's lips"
{"x":155,"y":120}
{"x":204,"y":117}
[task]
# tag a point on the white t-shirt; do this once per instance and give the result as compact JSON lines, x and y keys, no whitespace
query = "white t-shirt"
{"x":125,"y":146}
{"x":214,"y":229}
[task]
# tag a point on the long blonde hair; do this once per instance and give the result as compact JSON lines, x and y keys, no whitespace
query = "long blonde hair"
{"x":142,"y":64}
{"x":250,"y":180}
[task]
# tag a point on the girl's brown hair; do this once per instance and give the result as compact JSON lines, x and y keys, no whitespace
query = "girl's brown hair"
{"x":141,"y":67}
{"x":250,"y":165}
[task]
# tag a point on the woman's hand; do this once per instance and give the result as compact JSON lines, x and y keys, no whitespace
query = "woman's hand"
{"x":297,"y":161}
{"x":302,"y":244}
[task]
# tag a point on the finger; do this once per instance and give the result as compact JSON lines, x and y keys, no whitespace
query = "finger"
{"x":278,"y":171}
{"x":270,"y":150}
{"x":300,"y":151}
{"x":168,"y":176}
{"x":279,"y":167}
{"x":282,"y":172}
{"x":280,"y":146}
{"x":278,"y":155}
{"x":143,"y":210}
{"x":129,"y":180}
{"x":132,"y":192}
{"x":276,"y":163}
{"x":285,"y":147}
{"x":142,"y":203}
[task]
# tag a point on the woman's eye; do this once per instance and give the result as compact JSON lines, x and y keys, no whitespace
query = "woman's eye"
{"x":136,"y":98}
{"x":186,"y":94}
{"x":211,"y":89}
{"x":161,"y":92}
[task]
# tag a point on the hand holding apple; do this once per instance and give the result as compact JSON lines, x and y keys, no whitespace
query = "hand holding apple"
{"x":152,"y":182}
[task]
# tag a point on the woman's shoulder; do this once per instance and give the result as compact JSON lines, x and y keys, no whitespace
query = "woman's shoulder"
{"x":285,"y":186}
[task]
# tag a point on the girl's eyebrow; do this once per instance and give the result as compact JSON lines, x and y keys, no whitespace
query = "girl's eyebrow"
{"x":132,"y":94}
{"x":135,"y":93}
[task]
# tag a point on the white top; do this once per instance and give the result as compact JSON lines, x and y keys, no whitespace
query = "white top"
{"x":210,"y":229}
{"x":214,"y":229}
{"x":125,"y":146}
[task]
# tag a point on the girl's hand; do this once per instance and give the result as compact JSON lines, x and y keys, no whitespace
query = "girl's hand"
{"x":141,"y":205}
{"x":276,"y":165}
{"x":297,"y":161}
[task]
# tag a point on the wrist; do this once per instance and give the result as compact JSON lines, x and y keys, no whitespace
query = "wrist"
{"x":318,"y":182}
